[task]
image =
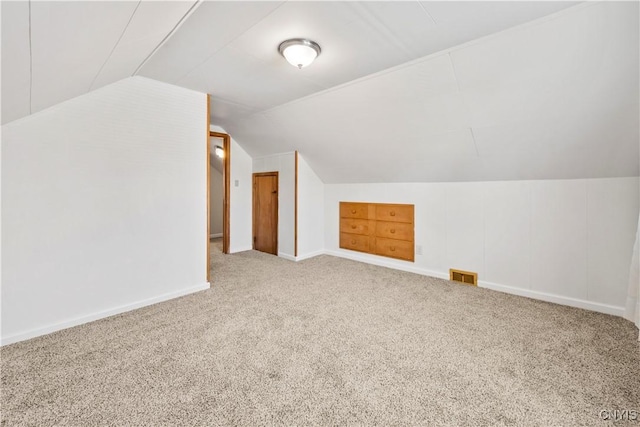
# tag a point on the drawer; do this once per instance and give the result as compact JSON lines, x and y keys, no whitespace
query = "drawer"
{"x":354,"y":210}
{"x":355,"y":242}
{"x":394,"y":230}
{"x":400,"y":249}
{"x":395,"y":213}
{"x":356,"y":226}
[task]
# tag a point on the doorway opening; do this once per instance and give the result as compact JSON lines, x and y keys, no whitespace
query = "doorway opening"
{"x":218,"y":192}
{"x":265,"y":212}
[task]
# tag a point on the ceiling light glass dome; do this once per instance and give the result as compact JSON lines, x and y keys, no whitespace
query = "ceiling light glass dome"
{"x":299,"y":52}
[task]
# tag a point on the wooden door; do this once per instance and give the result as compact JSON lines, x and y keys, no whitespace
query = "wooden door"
{"x":265,"y":212}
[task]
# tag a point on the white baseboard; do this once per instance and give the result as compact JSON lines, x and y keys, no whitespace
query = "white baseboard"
{"x":557,"y":299}
{"x":386,"y":262}
{"x":286,"y":256}
{"x":300,"y":257}
{"x":100,"y":315}
{"x":310,"y":255}
{"x":240,"y":249}
{"x":214,"y":236}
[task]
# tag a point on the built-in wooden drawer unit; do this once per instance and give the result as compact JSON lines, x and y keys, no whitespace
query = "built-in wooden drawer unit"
{"x":356,"y":226}
{"x":355,"y":242}
{"x":354,"y":210}
{"x":378,"y":228}
{"x":395,"y":213}
{"x":393,"y":248}
{"x":394,"y":230}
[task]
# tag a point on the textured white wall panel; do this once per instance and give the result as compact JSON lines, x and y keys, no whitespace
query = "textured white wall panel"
{"x":559,"y":237}
{"x":103,"y":205}
{"x":310,"y":211}
{"x":284,"y":164}
{"x":507,"y":225}
{"x":608,"y":235}
{"x":465,"y":227}
{"x":240,"y":198}
{"x":15,"y":60}
{"x":565,"y":241}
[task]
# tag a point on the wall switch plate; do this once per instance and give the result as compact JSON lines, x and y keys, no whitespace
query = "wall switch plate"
{"x":418,"y":249}
{"x":236,"y":183}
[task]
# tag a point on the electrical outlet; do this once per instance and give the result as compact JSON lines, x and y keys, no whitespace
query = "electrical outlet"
{"x":418,"y":249}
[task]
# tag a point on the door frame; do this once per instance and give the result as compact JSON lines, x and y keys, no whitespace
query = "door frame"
{"x":226,"y":178}
{"x":253,"y":201}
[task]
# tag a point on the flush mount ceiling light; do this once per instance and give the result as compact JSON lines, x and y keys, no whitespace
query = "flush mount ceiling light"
{"x":299,"y":52}
{"x":219,"y":151}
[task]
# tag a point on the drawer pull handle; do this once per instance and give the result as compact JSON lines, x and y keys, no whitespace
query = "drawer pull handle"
{"x":392,"y":213}
{"x":353,"y":226}
{"x":353,"y":242}
{"x":393,"y":248}
{"x":393,"y":231}
{"x":353,"y":211}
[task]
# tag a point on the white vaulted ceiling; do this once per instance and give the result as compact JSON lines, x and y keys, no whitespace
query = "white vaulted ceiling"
{"x":53,"y":51}
{"x":229,"y":49}
{"x":403,"y":91}
{"x":552,"y":100}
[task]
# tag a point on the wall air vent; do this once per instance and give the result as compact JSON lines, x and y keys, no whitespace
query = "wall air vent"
{"x":466,"y":277}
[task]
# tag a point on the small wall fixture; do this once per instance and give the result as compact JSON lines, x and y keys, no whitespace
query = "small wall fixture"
{"x":299,"y":52}
{"x":466,"y":277}
{"x":219,"y":151}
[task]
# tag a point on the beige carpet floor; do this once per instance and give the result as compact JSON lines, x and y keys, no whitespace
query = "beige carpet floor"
{"x":327,"y":341}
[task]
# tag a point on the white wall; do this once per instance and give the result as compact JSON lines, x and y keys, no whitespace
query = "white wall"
{"x":310,"y":211}
{"x":284,"y":164}
{"x":216,"y":202}
{"x":240,"y":197}
{"x":103,"y":206}
{"x":566,"y":241}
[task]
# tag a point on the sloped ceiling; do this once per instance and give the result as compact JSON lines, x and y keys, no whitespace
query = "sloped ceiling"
{"x":555,"y":97}
{"x":229,"y":49}
{"x":403,"y":91}
{"x":552,"y":100}
{"x":53,"y":51}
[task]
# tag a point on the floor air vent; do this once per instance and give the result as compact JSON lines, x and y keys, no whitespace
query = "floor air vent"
{"x":466,"y":277}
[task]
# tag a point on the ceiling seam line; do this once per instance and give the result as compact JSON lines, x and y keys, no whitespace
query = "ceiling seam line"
{"x":473,"y":137}
{"x":426,"y":11}
{"x":228,"y":43}
{"x":445,"y":51}
{"x":455,"y":77}
{"x":453,"y":69}
{"x":239,"y":104}
{"x":377,"y":24}
{"x":166,"y":37}
{"x":113,"y":49}
{"x":30,"y":65}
